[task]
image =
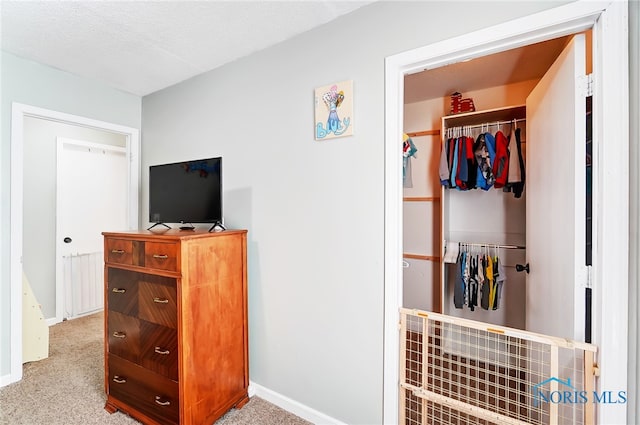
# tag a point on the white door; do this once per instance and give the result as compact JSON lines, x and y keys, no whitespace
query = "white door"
{"x":92,"y":190}
{"x":555,"y":186}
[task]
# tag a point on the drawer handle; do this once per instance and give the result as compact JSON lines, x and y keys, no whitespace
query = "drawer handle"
{"x":119,"y":290}
{"x":117,"y":251}
{"x":160,"y":300}
{"x":119,"y":380}
{"x":162,"y":402}
{"x":160,"y":256}
{"x":117,"y":334}
{"x":161,"y":351}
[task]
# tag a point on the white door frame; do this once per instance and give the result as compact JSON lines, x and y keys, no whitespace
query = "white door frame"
{"x":611,"y":174}
{"x":18,"y":113}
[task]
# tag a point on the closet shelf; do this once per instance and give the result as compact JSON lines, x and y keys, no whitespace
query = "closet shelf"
{"x":424,"y":133}
{"x":421,"y":199}
{"x":421,"y":257}
{"x":488,"y":116}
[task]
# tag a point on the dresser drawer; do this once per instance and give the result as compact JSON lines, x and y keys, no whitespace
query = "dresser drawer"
{"x":154,"y":395}
{"x":123,"y":333}
{"x":159,"y":349}
{"x":119,"y":251}
{"x":161,"y":255}
{"x":157,"y":303}
{"x":122,"y":292}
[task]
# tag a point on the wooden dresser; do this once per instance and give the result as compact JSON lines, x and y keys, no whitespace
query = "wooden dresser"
{"x":176,"y":324}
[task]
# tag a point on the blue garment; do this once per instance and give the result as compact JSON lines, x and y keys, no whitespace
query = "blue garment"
{"x":408,"y":150}
{"x":484,"y":150}
{"x":454,"y":167}
{"x":491,"y":146}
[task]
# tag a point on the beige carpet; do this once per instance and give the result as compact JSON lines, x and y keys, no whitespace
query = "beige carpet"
{"x":68,"y":387}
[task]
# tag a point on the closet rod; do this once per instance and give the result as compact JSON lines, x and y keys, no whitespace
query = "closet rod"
{"x":488,"y":245}
{"x":488,"y":124}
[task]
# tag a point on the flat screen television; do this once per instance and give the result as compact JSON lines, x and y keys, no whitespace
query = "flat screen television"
{"x":186,"y":192}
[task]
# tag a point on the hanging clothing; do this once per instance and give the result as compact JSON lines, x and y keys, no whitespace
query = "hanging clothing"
{"x":463,"y":171}
{"x":500,"y":279}
{"x":501,"y":161}
{"x":484,"y":153}
{"x":408,"y":151}
{"x":477,"y":273}
{"x":516,"y":184}
{"x":493,"y":294}
{"x":485,"y":162}
{"x":459,"y":288}
{"x":454,"y":162}
{"x":473,"y":284}
{"x":443,"y":169}
{"x":472,"y":165}
{"x":514,"y":171}
{"x":488,"y":283}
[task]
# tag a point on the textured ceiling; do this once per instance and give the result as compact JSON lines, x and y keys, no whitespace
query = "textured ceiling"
{"x":142,"y":46}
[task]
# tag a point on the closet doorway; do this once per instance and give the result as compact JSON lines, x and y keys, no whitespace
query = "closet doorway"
{"x":536,"y":223}
{"x":20,"y":113}
{"x":511,"y":208}
{"x":610,"y":117}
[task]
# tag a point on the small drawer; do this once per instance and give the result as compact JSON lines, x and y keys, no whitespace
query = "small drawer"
{"x":157,"y":303}
{"x":162,"y":256}
{"x":119,"y":251}
{"x":154,"y":395}
{"x":159,"y":349}
{"x":122,"y":292}
{"x":123,"y":333}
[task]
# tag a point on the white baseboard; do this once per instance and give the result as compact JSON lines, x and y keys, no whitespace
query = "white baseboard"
{"x":51,"y":321}
{"x":290,"y":405}
{"x":7,"y":379}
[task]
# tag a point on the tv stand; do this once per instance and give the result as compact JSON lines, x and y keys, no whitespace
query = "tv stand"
{"x":215,"y":225}
{"x":158,"y":224}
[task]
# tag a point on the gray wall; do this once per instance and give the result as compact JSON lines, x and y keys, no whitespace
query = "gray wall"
{"x":314,"y":210}
{"x":37,"y":85}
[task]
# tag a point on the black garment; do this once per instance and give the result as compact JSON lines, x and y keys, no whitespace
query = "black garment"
{"x":458,"y":290}
{"x":472,"y":165}
{"x":473,"y":284}
{"x":484,"y":302}
{"x":517,"y":187}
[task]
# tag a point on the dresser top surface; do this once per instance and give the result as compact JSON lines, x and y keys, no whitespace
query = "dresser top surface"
{"x":171,"y":234}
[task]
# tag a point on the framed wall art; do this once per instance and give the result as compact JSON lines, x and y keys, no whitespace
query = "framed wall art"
{"x":334,"y":110}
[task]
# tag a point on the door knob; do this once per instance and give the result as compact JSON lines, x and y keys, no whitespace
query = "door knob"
{"x":67,"y":240}
{"x":520,"y":268}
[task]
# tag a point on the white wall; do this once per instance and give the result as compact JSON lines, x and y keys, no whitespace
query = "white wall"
{"x":314,"y":210}
{"x":37,"y":85}
{"x":39,"y":201}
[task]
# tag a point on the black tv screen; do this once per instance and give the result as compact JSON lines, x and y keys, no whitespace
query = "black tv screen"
{"x":186,"y":192}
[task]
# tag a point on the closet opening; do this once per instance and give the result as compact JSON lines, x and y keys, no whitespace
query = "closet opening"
{"x":455,"y":227}
{"x":496,"y":198}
